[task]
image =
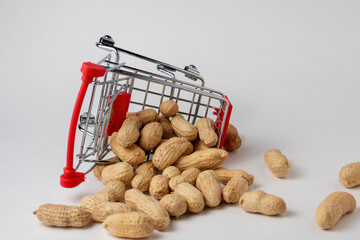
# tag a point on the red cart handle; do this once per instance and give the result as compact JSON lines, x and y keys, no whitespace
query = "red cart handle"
{"x":71,"y":178}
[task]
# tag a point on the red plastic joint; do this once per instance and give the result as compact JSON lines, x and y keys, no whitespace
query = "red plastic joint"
{"x":70,"y":178}
{"x":120,"y":107}
{"x":220,"y":112}
{"x":91,"y":71}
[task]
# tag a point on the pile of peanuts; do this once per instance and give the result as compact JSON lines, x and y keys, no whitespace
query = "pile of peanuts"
{"x":184,"y":175}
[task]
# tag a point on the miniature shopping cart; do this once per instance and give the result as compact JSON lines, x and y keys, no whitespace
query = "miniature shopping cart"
{"x":118,"y":88}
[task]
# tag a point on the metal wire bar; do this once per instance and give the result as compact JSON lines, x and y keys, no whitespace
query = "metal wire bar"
{"x":87,"y":119}
{"x":146,"y":94}
{"x":191,"y":107}
{"x":165,"y":95}
{"x":198,"y":89}
{"x":207,"y":107}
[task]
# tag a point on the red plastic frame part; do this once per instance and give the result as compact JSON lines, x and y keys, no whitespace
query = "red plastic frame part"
{"x":220,"y":118}
{"x":71,"y":178}
{"x":120,"y":107}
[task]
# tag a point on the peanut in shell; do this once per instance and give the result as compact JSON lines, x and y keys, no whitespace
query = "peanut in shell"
{"x":58,"y":215}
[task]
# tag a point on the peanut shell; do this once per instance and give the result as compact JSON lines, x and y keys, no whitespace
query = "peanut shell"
{"x":159,"y":186}
{"x":194,"y":198}
{"x":129,"y":225}
{"x":168,"y":152}
{"x":58,"y":215}
{"x":147,"y":115}
{"x":277,"y":163}
{"x":207,"y":132}
{"x":183,"y":128}
{"x":232,"y":139}
{"x":224,"y":175}
{"x":175,"y":204}
{"x":210,"y":187}
{"x":234,"y":189}
{"x":101,"y":209}
{"x":333,"y":207}
{"x":143,"y":175}
{"x":113,"y":192}
{"x":169,"y":108}
{"x":129,"y":131}
{"x":171,"y":172}
{"x":189,"y":175}
{"x":203,"y":160}
{"x":349,"y":175}
{"x":133,"y":154}
{"x":139,"y":201}
{"x":121,"y":171}
{"x":167,"y":128}
{"x":150,"y":136}
{"x":260,"y":202}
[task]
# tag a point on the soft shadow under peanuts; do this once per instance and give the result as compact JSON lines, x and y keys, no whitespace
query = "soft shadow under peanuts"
{"x":171,"y":227}
{"x":288,"y":213}
{"x":91,"y":224}
{"x":283,"y":215}
{"x":294,"y":173}
{"x":156,"y":235}
{"x":78,"y":197}
{"x":254,"y":186}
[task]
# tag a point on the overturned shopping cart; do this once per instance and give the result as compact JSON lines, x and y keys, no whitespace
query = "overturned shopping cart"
{"x":118,"y":88}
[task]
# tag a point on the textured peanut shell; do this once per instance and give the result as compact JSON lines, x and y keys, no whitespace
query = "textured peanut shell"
{"x":207,"y":132}
{"x":205,"y":159}
{"x":143,"y":175}
{"x":99,"y":167}
{"x":210,"y":187}
{"x":132,"y":154}
{"x":234,"y":189}
{"x":167,"y":128}
{"x":260,"y":202}
{"x":194,"y":198}
{"x":113,"y":192}
{"x":277,"y":163}
{"x":129,"y":225}
{"x":168,"y":152}
{"x":189,"y":176}
{"x":150,"y":136}
{"x":189,"y":148}
{"x":129,"y":131}
{"x":121,"y":171}
{"x":159,"y":186}
{"x":349,"y":175}
{"x":101,"y":209}
{"x":232,"y":139}
{"x":175,"y":204}
{"x":199,"y":145}
{"x":57,"y":215}
{"x":171,"y":172}
{"x":224,"y":175}
{"x":169,"y":108}
{"x":139,"y":201}
{"x":333,"y":207}
{"x":147,"y":115}
{"x":98,"y":170}
{"x":183,"y":128}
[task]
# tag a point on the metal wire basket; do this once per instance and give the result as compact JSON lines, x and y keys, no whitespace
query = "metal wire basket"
{"x":120,"y":88}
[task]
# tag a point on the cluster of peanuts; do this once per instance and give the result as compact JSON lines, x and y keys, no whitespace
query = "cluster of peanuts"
{"x":184,"y":175}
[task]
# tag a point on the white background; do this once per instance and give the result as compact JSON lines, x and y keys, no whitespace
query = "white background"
{"x":291,"y":69}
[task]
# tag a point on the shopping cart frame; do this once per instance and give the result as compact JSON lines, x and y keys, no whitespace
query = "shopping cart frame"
{"x":118,"y":83}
